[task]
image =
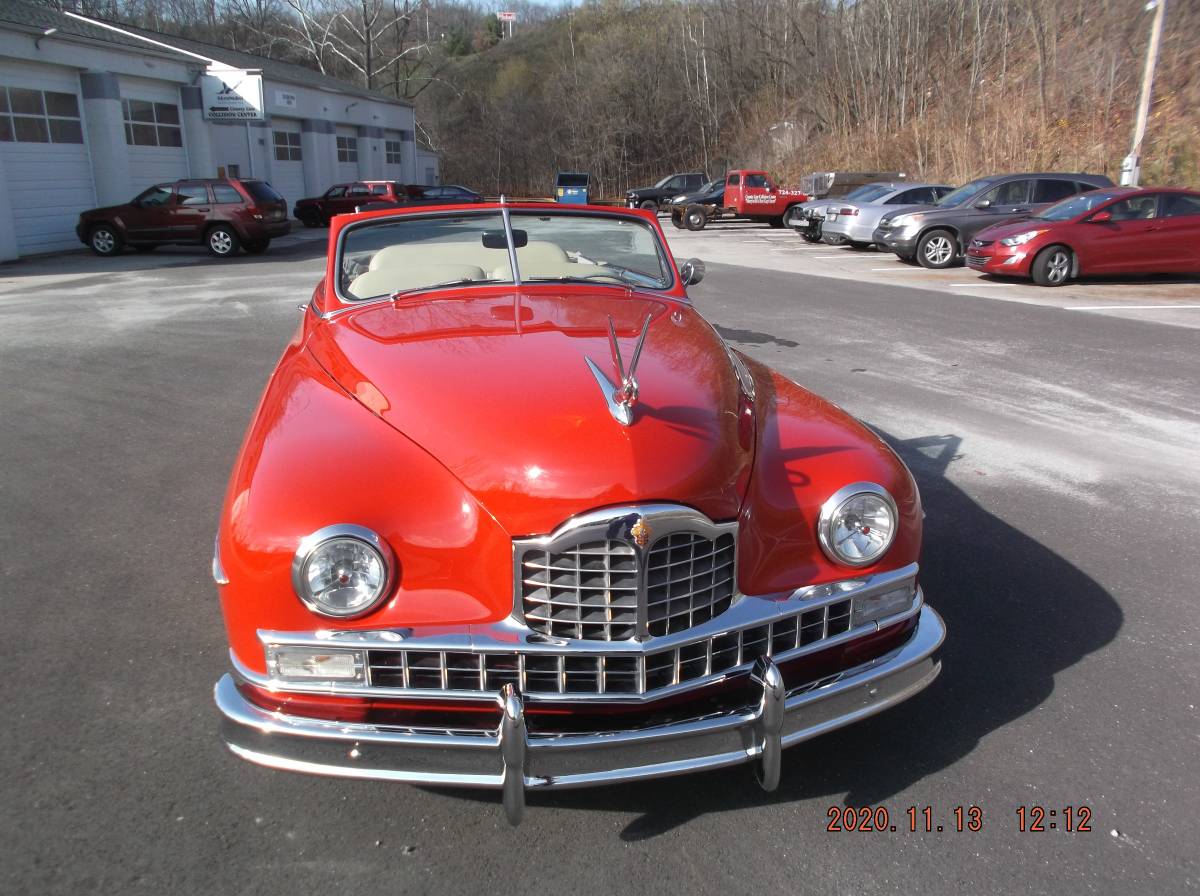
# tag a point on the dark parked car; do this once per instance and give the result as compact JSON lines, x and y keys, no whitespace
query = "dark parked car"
{"x":937,"y":235}
{"x":446,"y":194}
{"x":660,"y":195}
{"x":711,"y":195}
{"x":344,"y":199}
{"x":224,"y":215}
{"x":1118,"y":231}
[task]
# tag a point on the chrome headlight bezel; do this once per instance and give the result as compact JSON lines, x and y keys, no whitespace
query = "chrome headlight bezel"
{"x":830,"y":512}
{"x":313,"y":543}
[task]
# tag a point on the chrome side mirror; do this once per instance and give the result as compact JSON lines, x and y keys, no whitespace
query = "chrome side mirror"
{"x":692,"y":271}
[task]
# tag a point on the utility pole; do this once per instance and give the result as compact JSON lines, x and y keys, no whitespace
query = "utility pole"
{"x":1131,"y":168}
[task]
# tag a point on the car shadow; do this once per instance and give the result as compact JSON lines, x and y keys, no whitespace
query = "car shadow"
{"x":1016,"y":614}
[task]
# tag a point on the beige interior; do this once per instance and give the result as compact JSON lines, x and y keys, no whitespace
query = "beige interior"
{"x":388,"y":280}
{"x":421,"y":264}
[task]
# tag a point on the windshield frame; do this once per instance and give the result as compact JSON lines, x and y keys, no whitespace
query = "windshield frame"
{"x":1102,"y":196}
{"x":348,"y":302}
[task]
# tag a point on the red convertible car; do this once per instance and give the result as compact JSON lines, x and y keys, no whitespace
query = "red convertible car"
{"x":511,"y":514}
{"x":1117,"y":231}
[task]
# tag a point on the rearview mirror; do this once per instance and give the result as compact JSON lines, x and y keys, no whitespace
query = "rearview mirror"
{"x":495,"y":239}
{"x":1100,"y":218}
{"x":984,"y":203}
{"x":692,"y":271}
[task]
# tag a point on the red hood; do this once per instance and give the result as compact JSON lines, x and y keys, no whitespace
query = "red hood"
{"x":498,"y":390}
{"x":1000,"y":231}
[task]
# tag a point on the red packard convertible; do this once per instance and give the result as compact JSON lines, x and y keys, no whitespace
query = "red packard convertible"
{"x":511,"y":514}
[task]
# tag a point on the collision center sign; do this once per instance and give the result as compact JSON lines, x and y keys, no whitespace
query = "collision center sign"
{"x":232,"y":94}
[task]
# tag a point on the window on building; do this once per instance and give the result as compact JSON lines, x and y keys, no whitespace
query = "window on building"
{"x":347,"y":149}
{"x":151,"y":124}
{"x":39,"y":116}
{"x":395,"y":152}
{"x":287,"y":146}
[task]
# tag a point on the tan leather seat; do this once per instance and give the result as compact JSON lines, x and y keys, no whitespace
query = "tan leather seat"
{"x":383,"y":281}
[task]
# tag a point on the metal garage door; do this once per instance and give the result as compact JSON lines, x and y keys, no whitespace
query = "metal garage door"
{"x":347,"y":151}
{"x":153,"y":132}
{"x":287,"y":169}
{"x":46,"y":167}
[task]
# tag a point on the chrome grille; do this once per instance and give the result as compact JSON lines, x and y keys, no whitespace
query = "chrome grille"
{"x":626,"y":573}
{"x":689,"y":579}
{"x":548,"y":673}
{"x":588,"y":592}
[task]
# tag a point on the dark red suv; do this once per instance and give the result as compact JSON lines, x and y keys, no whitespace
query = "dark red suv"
{"x":223,"y":214}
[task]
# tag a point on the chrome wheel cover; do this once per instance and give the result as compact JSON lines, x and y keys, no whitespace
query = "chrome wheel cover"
{"x":938,"y":250}
{"x":1058,"y":267}
{"x":221,"y":242}
{"x":103,"y":241}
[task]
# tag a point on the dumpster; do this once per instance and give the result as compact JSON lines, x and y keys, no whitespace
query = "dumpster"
{"x":572,"y":187}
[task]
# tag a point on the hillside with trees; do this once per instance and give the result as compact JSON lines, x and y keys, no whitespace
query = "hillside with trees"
{"x":942,"y":89}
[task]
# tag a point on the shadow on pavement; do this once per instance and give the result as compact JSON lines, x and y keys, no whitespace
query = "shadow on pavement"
{"x":1016,"y":614}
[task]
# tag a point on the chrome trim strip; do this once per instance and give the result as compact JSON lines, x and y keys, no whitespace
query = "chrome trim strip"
{"x":477,"y":758}
{"x":218,"y":571}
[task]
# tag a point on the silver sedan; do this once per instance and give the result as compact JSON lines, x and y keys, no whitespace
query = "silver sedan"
{"x":853,"y":220}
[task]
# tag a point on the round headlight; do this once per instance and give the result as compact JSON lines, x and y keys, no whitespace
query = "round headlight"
{"x":857,"y":525}
{"x":342,"y":570}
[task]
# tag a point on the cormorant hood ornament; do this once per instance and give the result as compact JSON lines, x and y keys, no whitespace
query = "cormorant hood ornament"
{"x":621,"y":398}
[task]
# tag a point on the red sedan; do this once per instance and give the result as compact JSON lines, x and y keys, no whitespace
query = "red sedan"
{"x":512,"y":514}
{"x":1118,"y":231}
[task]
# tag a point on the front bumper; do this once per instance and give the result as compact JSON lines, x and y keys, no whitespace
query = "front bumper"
{"x":1000,"y":260}
{"x":514,"y":759}
{"x":901,"y":242}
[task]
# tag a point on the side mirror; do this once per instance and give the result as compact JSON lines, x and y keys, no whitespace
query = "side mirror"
{"x":983,"y":203}
{"x":1100,"y":218}
{"x":692,"y":271}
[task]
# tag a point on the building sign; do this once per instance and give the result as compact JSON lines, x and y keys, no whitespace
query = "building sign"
{"x":506,"y":16}
{"x":283,"y":98}
{"x":232,"y":94}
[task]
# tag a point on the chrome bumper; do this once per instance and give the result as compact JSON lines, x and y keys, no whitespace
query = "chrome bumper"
{"x":513,"y":759}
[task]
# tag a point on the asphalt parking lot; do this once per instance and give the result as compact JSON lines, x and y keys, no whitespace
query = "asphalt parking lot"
{"x":1056,"y":451}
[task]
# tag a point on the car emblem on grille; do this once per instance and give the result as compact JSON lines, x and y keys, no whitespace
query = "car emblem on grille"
{"x":640,"y":533}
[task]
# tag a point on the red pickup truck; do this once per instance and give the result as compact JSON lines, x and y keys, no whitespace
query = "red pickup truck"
{"x":749,"y":196}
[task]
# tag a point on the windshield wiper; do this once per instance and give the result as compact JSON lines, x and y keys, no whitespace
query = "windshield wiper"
{"x":461,"y":281}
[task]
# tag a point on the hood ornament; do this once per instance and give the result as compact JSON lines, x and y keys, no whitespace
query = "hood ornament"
{"x":621,"y":398}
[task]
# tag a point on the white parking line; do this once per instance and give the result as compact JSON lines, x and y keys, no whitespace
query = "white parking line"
{"x":899,"y":270}
{"x":1129,"y":307}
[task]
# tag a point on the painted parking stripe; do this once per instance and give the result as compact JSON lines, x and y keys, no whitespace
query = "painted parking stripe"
{"x":1130,"y":307}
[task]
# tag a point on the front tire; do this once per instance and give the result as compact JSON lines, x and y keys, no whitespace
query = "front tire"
{"x":811,"y":235}
{"x":104,"y":240}
{"x":222,"y":242}
{"x":1052,"y":267}
{"x":648,"y":205}
{"x":677,"y":219}
{"x":695,"y":218}
{"x":937,"y":249}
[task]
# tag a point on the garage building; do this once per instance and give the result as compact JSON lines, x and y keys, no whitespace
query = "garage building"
{"x":92,"y":113}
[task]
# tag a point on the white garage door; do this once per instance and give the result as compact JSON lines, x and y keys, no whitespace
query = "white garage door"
{"x":347,"y":151}
{"x":46,"y":167}
{"x":153,"y":132}
{"x":287,"y":168}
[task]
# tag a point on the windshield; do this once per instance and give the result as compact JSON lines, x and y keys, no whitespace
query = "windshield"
{"x":1075,"y":205}
{"x":964,"y":193}
{"x":412,"y":253}
{"x":869,"y":192}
